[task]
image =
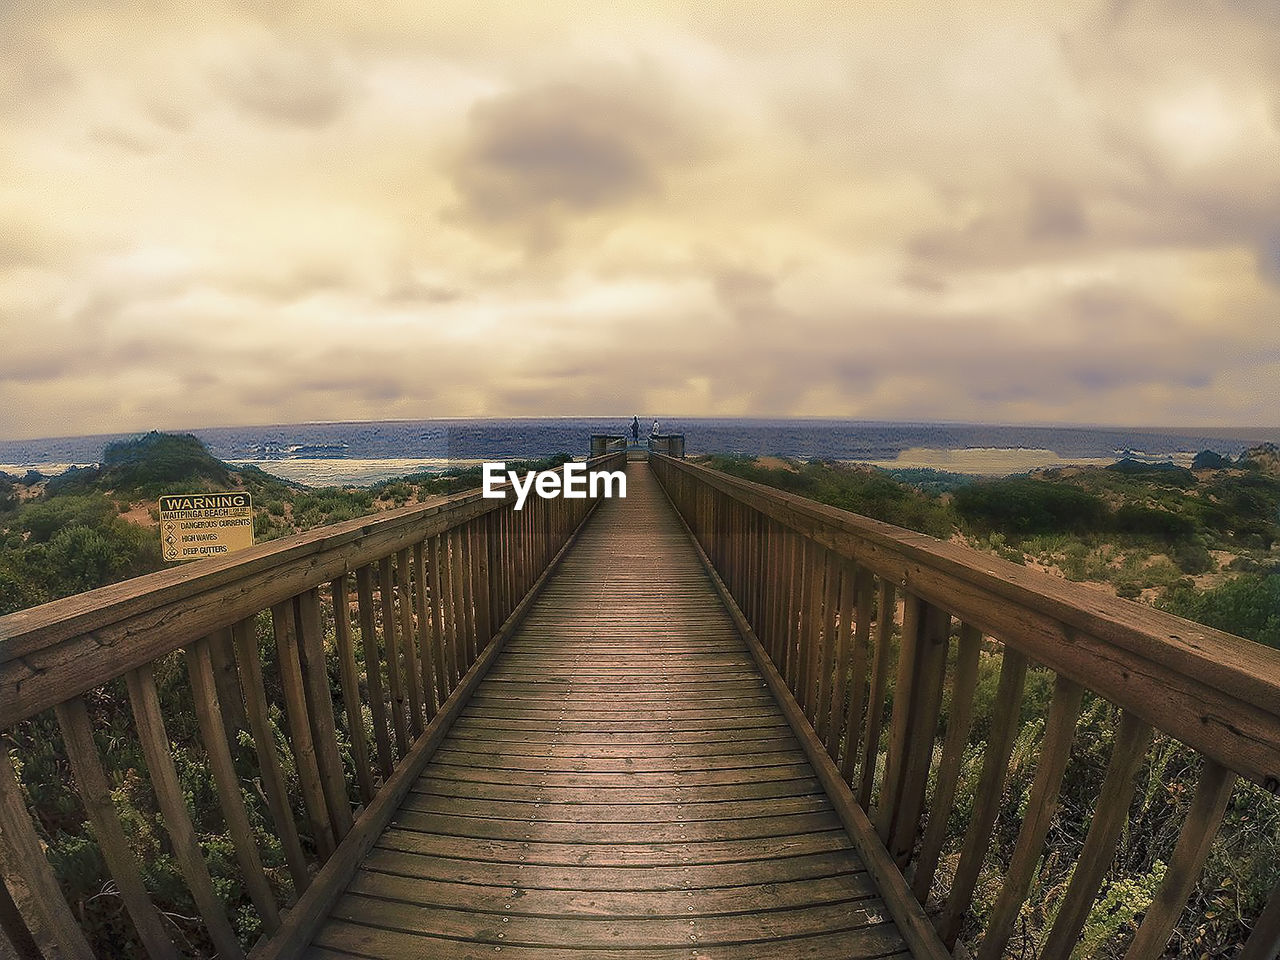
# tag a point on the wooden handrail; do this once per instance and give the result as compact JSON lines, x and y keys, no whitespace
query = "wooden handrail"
{"x":803,"y":576}
{"x":58,"y":649}
{"x":432,"y":583}
{"x":1214,"y":691}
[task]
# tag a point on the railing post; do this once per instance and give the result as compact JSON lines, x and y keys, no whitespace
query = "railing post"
{"x":95,"y":792}
{"x":373,"y":671}
{"x":29,"y":877}
{"x":284,"y":620}
{"x":158,"y":752}
{"x":351,"y":687}
{"x":264,"y":742}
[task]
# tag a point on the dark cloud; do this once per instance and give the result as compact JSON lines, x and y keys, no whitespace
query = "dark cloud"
{"x":1055,"y":212}
{"x":1036,"y":220}
{"x":1269,"y":258}
{"x":288,"y":85}
{"x":537,"y":155}
{"x":749,"y":296}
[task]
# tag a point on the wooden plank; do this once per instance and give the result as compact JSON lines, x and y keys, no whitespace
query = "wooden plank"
{"x":408,"y":644}
{"x":95,"y":793}
{"x":616,"y":834}
{"x":213,"y":733}
{"x":432,"y":692}
{"x":391,"y":646}
{"x":1264,"y":939}
{"x":439,"y":642}
{"x":827,"y":663}
{"x":481,"y":531}
{"x":682,"y":876}
{"x":885,"y":619}
{"x":1096,"y":857}
{"x":441,"y":612}
{"x":1198,"y":831}
{"x":709,"y":932}
{"x":373,"y":672}
{"x":874,"y":941}
{"x":804,"y":637}
{"x":1055,"y":751}
{"x":959,"y":723}
{"x":264,"y":742}
{"x":793,"y":570}
{"x":469,"y":592}
{"x":319,"y":696}
{"x":572,"y":903}
{"x":158,"y":752}
{"x":15,"y":939}
{"x":529,"y":805}
{"x":222,"y":654}
{"x":909,"y":656}
{"x":864,"y":589}
{"x":842,"y":640}
{"x":457,"y":576}
{"x":26,"y":872}
{"x":926,"y":701}
{"x":351,"y":700}
{"x":990,"y":789}
{"x":632,"y":856}
{"x":284,"y":621}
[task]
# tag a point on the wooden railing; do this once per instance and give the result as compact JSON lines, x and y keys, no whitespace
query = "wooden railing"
{"x":820,"y":590}
{"x":404,"y":608}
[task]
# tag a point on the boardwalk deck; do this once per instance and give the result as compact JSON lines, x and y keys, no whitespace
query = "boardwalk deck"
{"x":621,"y":785}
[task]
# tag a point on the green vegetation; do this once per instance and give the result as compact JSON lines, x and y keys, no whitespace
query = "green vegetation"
{"x":1248,"y":606}
{"x":1021,"y":506}
{"x":1142,"y":530}
{"x":1204,"y":544}
{"x":872,"y":493}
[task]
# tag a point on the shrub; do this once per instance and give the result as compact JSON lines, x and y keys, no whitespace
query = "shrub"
{"x":1022,"y":506}
{"x":1153,"y":522}
{"x":1248,"y":606}
{"x":152,"y":463}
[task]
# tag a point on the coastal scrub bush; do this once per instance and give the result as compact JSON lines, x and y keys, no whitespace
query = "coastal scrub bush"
{"x":866,"y":491}
{"x":1248,"y":606}
{"x":1023,"y":505}
{"x":1153,"y":522}
{"x":41,"y":519}
{"x":150,"y":464}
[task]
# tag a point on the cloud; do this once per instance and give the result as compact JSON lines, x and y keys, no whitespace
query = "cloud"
{"x":535,"y":156}
{"x":321,"y":210}
{"x":283,"y":83}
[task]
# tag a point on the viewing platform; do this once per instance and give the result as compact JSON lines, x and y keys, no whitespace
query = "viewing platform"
{"x":700,"y":721}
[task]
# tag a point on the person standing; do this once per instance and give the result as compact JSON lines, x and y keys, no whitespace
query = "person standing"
{"x":635,"y":429}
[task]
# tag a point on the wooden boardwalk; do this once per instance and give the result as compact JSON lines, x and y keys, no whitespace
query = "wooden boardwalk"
{"x":621,"y":785}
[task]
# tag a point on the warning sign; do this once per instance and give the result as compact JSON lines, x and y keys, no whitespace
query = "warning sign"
{"x":205,"y":525}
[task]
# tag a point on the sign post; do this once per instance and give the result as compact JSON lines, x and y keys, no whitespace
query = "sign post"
{"x":199,"y":525}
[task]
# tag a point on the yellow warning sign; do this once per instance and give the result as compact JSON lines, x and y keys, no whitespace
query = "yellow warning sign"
{"x":199,"y":525}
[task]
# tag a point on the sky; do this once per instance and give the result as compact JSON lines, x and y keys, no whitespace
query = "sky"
{"x":257,"y":212}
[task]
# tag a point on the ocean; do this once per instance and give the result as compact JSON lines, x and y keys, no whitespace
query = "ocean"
{"x":366,"y":452}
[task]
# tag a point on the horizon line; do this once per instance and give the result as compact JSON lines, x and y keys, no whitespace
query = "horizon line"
{"x":1059,"y":425}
